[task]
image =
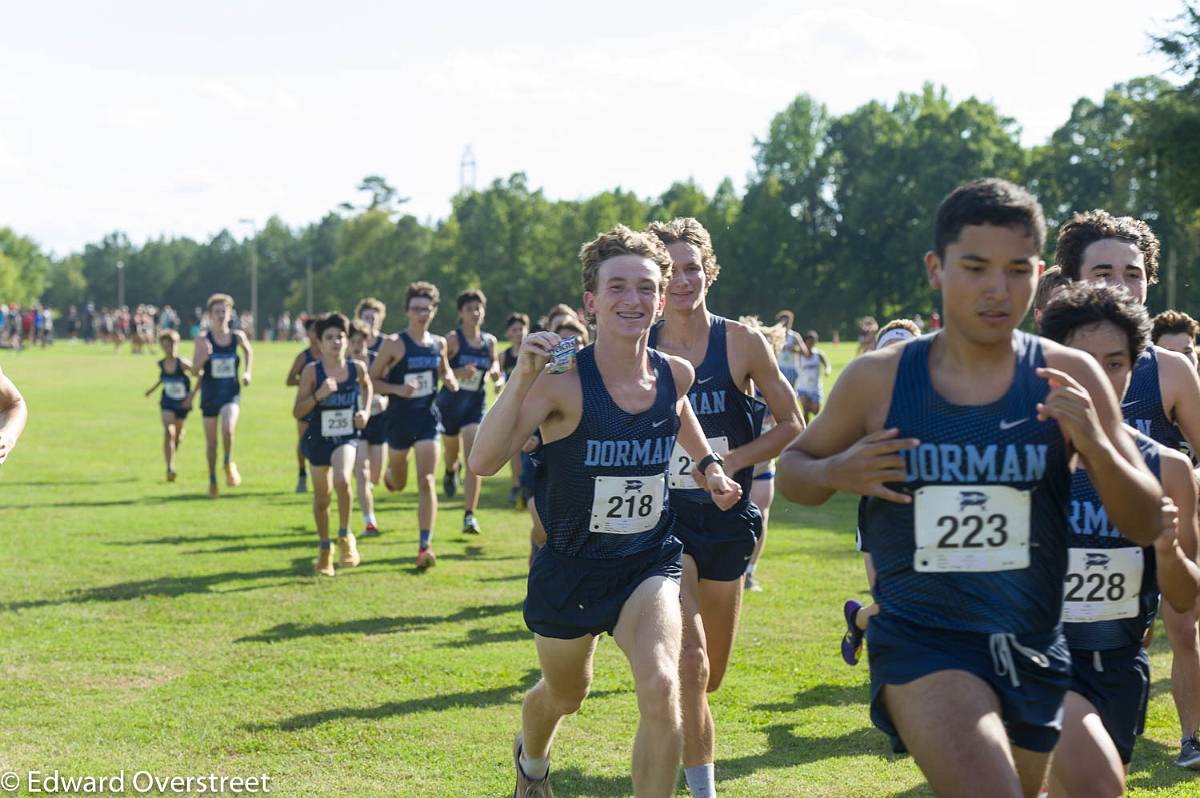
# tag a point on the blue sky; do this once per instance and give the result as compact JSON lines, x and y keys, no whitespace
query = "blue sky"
{"x":163,"y":119}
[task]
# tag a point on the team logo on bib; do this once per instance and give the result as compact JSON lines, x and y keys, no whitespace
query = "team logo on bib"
{"x":1102,"y":584}
{"x":978,"y":530}
{"x":223,"y":368}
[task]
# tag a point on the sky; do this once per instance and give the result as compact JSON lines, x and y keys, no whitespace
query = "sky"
{"x":164,"y":119}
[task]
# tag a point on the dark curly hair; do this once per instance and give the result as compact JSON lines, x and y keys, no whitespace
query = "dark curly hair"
{"x":1085,"y":229}
{"x":1170,"y":322}
{"x":1083,"y":304}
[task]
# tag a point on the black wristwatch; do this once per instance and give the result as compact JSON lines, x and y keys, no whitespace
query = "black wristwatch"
{"x":709,"y":460}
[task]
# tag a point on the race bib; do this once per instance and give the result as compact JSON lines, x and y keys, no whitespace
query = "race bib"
{"x":627,"y":505}
{"x":175,"y":390}
{"x":337,"y":423}
{"x":379,"y":403}
{"x":1102,"y":584}
{"x":971,"y":528}
{"x":472,"y":383}
{"x":223,"y":368}
{"x":682,"y":465}
{"x":422,"y":383}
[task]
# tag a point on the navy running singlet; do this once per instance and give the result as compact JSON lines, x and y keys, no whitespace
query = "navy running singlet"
{"x":221,"y":371}
{"x":1142,"y":406}
{"x":602,"y":490}
{"x":1111,"y":591}
{"x":467,"y":355}
{"x":333,"y":417}
{"x":983,"y":546}
{"x":728,"y":416}
{"x":373,"y":347}
{"x":418,"y":368}
{"x":175,"y":386}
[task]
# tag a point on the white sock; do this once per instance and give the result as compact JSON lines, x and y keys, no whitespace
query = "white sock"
{"x":534,"y":768}
{"x":750,"y":569}
{"x":369,"y":519}
{"x":701,"y":781}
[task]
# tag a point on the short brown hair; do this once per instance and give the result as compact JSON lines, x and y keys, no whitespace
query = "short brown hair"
{"x":422,"y":289}
{"x":1085,"y":229}
{"x":168,"y":335}
{"x":371,"y":303}
{"x":622,"y":241}
{"x":361,"y":329}
{"x":690,"y":231}
{"x":900,"y":324}
{"x":561,"y":309}
{"x":1049,"y":282}
{"x":514,"y":318}
{"x":573,"y":324}
{"x":219,"y":299}
{"x":1170,"y":322}
{"x":471,"y":295}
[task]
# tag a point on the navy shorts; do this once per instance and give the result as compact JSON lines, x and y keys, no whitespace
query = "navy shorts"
{"x":210,"y":405}
{"x":376,"y":431}
{"x":720,"y":541}
{"x":459,"y":409}
{"x":406,"y":427}
{"x":901,"y":652}
{"x":569,"y":597}
{"x":180,"y":412}
{"x":318,"y":450}
{"x":1119,"y":689}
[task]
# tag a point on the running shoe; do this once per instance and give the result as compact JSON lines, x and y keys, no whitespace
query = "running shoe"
{"x":527,"y":787}
{"x":371,"y":531}
{"x":1189,"y":754}
{"x":325,"y":563}
{"x":470,"y":525}
{"x":170,"y":475}
{"x":426,"y":559}
{"x":450,"y":483}
{"x":349,"y":551}
{"x":232,"y":477}
{"x":752,"y":584}
{"x":852,"y":641}
{"x":302,"y":483}
{"x":213,"y":492}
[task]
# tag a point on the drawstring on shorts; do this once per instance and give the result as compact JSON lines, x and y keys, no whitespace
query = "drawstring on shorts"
{"x":1001,"y":645}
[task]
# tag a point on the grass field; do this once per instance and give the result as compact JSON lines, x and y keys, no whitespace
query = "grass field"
{"x":146,"y":627}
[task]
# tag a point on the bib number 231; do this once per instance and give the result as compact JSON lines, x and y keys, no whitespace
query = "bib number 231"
{"x":971,"y":528}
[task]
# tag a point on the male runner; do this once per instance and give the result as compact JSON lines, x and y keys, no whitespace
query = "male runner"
{"x":610,"y":563}
{"x":1176,"y":331}
{"x":216,"y":363}
{"x":962,"y":440}
{"x":1112,"y":585}
{"x":333,"y":395}
{"x":812,"y":367}
{"x":371,"y":312}
{"x":1163,"y":402}
{"x":311,"y":354}
{"x":407,"y":370}
{"x":472,"y":356}
{"x":14,"y":413}
{"x":793,"y":347}
{"x":176,"y":399}
{"x":727,"y":357}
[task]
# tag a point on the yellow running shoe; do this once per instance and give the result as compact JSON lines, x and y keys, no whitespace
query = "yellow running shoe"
{"x":349,"y":551}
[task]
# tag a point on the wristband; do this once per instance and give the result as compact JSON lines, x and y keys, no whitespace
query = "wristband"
{"x":709,"y":459}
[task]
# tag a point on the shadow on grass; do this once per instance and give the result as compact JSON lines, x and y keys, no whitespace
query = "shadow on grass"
{"x":495,"y":696}
{"x":283,"y":544}
{"x":509,"y":578}
{"x":144,"y":500}
{"x":89,"y":479}
{"x":1153,"y":767}
{"x":177,"y":540}
{"x":823,"y":695}
{"x":483,"y":636}
{"x":377,"y":626}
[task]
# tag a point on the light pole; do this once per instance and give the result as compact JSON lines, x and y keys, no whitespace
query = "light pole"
{"x":253,"y":275}
{"x":120,"y":284}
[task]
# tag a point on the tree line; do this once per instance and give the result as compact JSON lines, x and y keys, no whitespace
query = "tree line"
{"x":833,"y":222}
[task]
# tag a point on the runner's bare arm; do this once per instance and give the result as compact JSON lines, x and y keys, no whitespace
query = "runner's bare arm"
{"x":14,"y":413}
{"x":157,"y":383}
{"x":839,"y":450}
{"x":1184,"y":389}
{"x":306,"y":399}
{"x":391,"y":353}
{"x":449,"y":378}
{"x":363,"y":414}
{"x":293,"y":376}
{"x":1085,"y":407}
{"x":200,"y":356}
{"x":528,"y":401}
{"x":244,"y":342}
{"x":780,"y":398}
{"x":1175,"y":550}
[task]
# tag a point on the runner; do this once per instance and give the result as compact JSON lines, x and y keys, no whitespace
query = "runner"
{"x":1050,"y":283}
{"x":472,"y":356}
{"x":857,"y":616}
{"x":962,"y":441}
{"x":1176,"y":331}
{"x":407,"y":368}
{"x":333,"y":395}
{"x":516,"y":327}
{"x":176,"y":398}
{"x":793,"y":348}
{"x":371,"y":454}
{"x":610,"y":563}
{"x":311,"y":354}
{"x":729,"y":359}
{"x":1112,"y":584}
{"x":216,"y":363}
{"x":812,"y":367}
{"x":1163,"y":402}
{"x":14,"y":413}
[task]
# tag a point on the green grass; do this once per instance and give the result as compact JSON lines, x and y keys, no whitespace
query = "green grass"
{"x":147,"y":627}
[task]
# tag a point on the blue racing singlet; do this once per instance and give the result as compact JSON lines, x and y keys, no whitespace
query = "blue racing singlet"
{"x":175,"y":386}
{"x":602,"y":490}
{"x":418,"y":368}
{"x":333,"y":417}
{"x":1142,"y":405}
{"x":478,"y":356}
{"x":219,"y":383}
{"x":1111,"y":591}
{"x":728,"y":416}
{"x":983,"y":546}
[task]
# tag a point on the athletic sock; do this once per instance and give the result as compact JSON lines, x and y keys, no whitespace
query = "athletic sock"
{"x":750,"y":569}
{"x":212,"y":477}
{"x":369,"y":519}
{"x":426,"y":537}
{"x":325,"y":545}
{"x":226,"y":458}
{"x":303,"y":473}
{"x":701,"y":781}
{"x":343,"y":532}
{"x":535,"y":769}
